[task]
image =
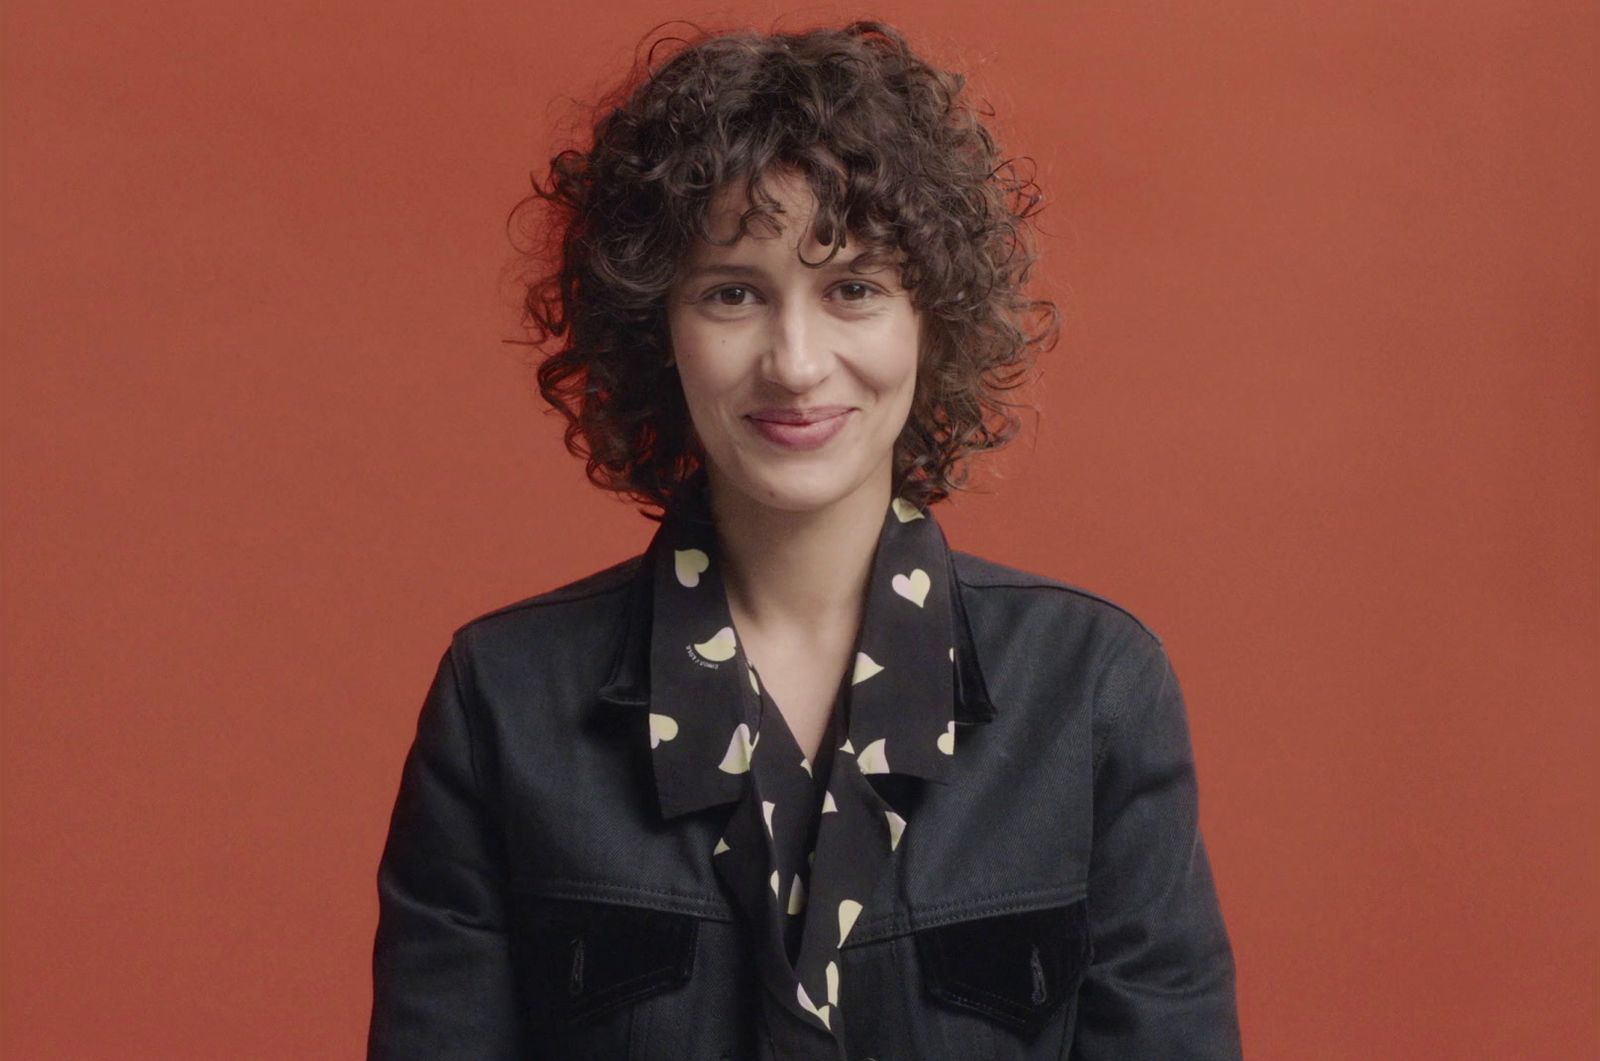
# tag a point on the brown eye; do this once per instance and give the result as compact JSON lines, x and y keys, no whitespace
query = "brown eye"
{"x":864,"y":290}
{"x":719,"y":295}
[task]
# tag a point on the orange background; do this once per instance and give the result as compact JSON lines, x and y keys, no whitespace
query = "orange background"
{"x":1324,"y":415}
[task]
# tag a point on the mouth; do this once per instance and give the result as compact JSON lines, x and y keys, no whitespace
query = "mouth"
{"x":799,"y":417}
{"x":799,"y":429}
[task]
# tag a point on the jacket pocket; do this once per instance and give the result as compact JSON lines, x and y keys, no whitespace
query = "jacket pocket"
{"x":585,"y":961}
{"x":1016,"y":969}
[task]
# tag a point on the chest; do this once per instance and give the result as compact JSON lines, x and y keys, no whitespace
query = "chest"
{"x":803,"y":683}
{"x":969,"y":946}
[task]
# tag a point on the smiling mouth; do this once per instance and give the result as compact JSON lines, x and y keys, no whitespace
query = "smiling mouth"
{"x":799,"y":429}
{"x":799,"y":417}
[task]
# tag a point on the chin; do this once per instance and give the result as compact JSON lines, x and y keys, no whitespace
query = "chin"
{"x":798,"y":489}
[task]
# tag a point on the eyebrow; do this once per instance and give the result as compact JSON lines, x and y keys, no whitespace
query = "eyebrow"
{"x":868,"y":260}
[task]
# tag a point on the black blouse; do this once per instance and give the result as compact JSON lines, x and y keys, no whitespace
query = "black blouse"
{"x":806,"y":842}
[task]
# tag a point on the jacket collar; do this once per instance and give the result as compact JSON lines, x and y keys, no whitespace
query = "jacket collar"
{"x":628,"y":685}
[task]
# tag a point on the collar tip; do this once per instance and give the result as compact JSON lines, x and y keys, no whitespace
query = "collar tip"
{"x":976,"y":714}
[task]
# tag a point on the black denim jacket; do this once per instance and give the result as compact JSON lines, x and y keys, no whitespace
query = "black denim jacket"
{"x":1053,"y":901}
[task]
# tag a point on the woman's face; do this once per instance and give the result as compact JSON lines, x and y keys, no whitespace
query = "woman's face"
{"x":798,"y":379}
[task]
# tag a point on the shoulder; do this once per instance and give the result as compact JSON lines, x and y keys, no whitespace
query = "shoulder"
{"x":581,"y":603}
{"x":980,"y":578}
{"x":1078,"y":637}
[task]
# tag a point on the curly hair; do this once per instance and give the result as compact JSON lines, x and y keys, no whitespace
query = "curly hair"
{"x":895,"y":157}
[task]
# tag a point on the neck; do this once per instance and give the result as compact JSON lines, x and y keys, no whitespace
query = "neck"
{"x":799,"y":573}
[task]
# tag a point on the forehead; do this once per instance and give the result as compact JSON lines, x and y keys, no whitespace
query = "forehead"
{"x":794,"y":203}
{"x":790,"y":228}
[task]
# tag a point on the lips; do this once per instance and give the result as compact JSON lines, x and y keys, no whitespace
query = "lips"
{"x":799,"y":429}
{"x":799,"y":416}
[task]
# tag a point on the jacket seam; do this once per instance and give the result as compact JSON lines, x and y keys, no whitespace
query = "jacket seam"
{"x":560,"y":595}
{"x":936,"y":916}
{"x":457,"y":644}
{"x":1041,"y":582}
{"x":578,"y":889}
{"x":1114,"y":723}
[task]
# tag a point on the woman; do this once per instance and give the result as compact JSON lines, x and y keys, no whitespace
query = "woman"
{"x":800,"y":781}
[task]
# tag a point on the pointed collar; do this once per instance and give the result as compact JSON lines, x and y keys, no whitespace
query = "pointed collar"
{"x":915,"y":661}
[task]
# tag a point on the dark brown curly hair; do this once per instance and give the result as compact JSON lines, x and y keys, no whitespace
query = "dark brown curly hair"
{"x":896,"y":159}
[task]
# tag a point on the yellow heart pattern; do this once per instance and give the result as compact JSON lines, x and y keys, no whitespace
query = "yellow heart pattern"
{"x":820,"y":1012}
{"x":872,"y":759}
{"x":897,"y":828}
{"x":865,"y":668}
{"x":849,"y":910}
{"x":740,"y":748}
{"x":913,"y":587}
{"x":662,"y":727}
{"x":719,"y":647}
{"x":905,"y":511}
{"x":688,"y":565}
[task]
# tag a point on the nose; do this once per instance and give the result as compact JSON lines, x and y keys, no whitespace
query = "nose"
{"x":797,"y":356}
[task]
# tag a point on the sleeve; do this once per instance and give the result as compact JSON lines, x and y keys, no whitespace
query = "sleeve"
{"x":441,"y":965}
{"x":1161,"y":976}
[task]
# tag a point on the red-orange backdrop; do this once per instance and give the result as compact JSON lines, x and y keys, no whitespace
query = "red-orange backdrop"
{"x":1324,"y":416}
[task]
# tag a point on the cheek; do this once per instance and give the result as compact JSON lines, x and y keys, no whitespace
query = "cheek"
{"x":711,"y":385}
{"x":689,"y":353}
{"x":696,"y":395}
{"x":704,"y":375}
{"x":902,"y":349}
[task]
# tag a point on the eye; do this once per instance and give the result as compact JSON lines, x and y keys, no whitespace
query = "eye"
{"x":720,"y":297}
{"x":856,"y":291}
